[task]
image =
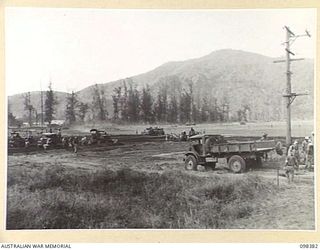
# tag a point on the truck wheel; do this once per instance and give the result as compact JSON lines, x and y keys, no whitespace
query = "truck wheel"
{"x":191,"y":163}
{"x":210,"y":165}
{"x":236,"y":164}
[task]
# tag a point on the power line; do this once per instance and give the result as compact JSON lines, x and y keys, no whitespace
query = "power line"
{"x":290,"y":39}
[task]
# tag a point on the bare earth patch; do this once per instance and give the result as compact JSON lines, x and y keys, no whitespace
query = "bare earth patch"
{"x":144,"y":185}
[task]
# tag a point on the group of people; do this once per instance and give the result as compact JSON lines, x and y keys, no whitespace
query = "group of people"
{"x":183,"y":136}
{"x":299,"y":154}
{"x":70,"y":142}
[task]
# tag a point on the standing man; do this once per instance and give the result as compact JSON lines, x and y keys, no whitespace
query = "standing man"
{"x":290,"y":166}
{"x":192,"y":132}
{"x":59,"y":133}
{"x":75,"y":144}
{"x":295,"y":149}
{"x":263,"y":138}
{"x":304,"y":147}
{"x":183,"y":136}
{"x":309,"y":155}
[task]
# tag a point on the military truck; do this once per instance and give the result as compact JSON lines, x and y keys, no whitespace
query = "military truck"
{"x":206,"y":149}
{"x":153,"y":131}
{"x":16,"y":141}
{"x":48,"y":140}
{"x":99,"y":137}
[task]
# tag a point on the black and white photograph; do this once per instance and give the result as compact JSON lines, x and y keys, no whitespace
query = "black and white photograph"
{"x":160,"y":118}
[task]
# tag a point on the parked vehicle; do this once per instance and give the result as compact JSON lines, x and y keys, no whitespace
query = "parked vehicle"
{"x":98,"y":137}
{"x":153,"y":131}
{"x":48,"y":140}
{"x":16,"y":141}
{"x":207,"y":149}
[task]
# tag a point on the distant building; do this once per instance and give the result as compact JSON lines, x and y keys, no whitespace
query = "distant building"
{"x":57,"y":122}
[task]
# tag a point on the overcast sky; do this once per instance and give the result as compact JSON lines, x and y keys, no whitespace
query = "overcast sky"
{"x":75,"y":48}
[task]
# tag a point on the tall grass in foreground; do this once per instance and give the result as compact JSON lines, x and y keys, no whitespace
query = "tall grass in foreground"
{"x":54,"y":197}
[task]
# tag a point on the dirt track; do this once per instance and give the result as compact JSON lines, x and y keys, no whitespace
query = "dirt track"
{"x":291,"y":208}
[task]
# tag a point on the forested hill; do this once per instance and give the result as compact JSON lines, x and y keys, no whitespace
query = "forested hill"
{"x":225,"y":81}
{"x":237,"y":78}
{"x":16,"y":103}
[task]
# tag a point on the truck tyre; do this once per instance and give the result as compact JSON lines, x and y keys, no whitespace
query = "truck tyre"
{"x":191,"y":163}
{"x":237,"y":164}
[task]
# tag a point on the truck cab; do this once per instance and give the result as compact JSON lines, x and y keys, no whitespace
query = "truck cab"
{"x":199,"y":150}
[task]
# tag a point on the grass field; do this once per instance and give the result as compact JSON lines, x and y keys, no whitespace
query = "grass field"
{"x":144,"y":185}
{"x":299,"y":128}
{"x":129,"y":199}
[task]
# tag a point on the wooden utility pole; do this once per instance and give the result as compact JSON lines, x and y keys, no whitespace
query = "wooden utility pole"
{"x":288,"y":92}
{"x":28,"y":107}
{"x":41,"y":105}
{"x":41,"y":108}
{"x":290,"y":38}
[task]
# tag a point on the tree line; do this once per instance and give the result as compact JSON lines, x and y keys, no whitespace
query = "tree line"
{"x":171,"y":100}
{"x":33,"y":114}
{"x":75,"y":110}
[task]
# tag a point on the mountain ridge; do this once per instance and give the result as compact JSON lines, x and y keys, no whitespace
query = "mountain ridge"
{"x":243,"y":77}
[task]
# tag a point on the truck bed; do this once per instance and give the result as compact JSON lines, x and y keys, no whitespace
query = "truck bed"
{"x":243,"y":147}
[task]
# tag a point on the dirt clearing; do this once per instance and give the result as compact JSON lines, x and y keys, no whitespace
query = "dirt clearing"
{"x":144,"y":185}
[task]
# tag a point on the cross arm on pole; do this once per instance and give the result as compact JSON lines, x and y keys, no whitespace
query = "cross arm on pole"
{"x":290,"y":52}
{"x":289,"y":31}
{"x":291,"y":60}
{"x":293,"y":96}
